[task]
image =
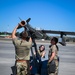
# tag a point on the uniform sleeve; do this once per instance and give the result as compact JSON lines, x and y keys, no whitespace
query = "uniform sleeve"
{"x":54,"y":48}
{"x":15,"y":41}
{"x":39,"y":52}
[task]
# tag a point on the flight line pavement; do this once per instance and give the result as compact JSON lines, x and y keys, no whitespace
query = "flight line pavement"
{"x":66,"y":55}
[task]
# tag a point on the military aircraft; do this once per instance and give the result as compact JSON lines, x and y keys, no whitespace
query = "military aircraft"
{"x":39,"y":34}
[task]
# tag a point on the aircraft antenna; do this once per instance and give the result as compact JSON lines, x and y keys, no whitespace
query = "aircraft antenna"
{"x":20,"y":18}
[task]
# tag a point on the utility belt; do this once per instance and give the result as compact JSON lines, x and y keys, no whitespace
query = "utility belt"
{"x":22,"y":60}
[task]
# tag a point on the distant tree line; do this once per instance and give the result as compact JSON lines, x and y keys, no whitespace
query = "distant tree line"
{"x":46,"y":37}
{"x":5,"y":33}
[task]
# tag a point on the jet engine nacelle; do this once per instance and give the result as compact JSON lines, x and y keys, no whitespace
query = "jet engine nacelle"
{"x":62,"y":41}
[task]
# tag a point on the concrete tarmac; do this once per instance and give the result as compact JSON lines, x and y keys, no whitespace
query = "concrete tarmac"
{"x":66,"y":54}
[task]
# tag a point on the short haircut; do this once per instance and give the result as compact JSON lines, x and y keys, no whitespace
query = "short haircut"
{"x":55,"y":39}
{"x":23,"y":34}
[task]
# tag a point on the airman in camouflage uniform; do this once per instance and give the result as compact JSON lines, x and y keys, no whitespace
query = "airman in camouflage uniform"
{"x":22,"y":51}
{"x":53,"y":55}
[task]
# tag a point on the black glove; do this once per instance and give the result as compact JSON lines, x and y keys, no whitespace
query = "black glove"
{"x":19,"y":26}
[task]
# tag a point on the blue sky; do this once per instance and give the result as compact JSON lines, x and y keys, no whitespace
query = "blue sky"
{"x":46,"y":14}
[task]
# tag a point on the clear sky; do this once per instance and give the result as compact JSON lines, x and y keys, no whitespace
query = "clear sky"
{"x":46,"y":14}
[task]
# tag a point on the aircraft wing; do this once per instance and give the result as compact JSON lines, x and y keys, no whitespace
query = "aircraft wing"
{"x":61,"y":39}
{"x":57,"y":32}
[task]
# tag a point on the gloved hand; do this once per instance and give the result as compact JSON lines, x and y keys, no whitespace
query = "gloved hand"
{"x":21,"y":24}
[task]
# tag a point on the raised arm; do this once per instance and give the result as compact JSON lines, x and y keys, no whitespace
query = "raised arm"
{"x":43,"y":55}
{"x":21,"y":24}
{"x":14,"y":32}
{"x":30,"y":39}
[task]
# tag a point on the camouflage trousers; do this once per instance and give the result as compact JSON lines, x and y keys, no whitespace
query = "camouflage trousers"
{"x":22,"y":67}
{"x":56,"y":70}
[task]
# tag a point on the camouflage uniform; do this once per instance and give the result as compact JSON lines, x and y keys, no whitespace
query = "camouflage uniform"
{"x":22,"y":50}
{"x":54,"y":48}
{"x":21,"y":67}
{"x":40,"y":53}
